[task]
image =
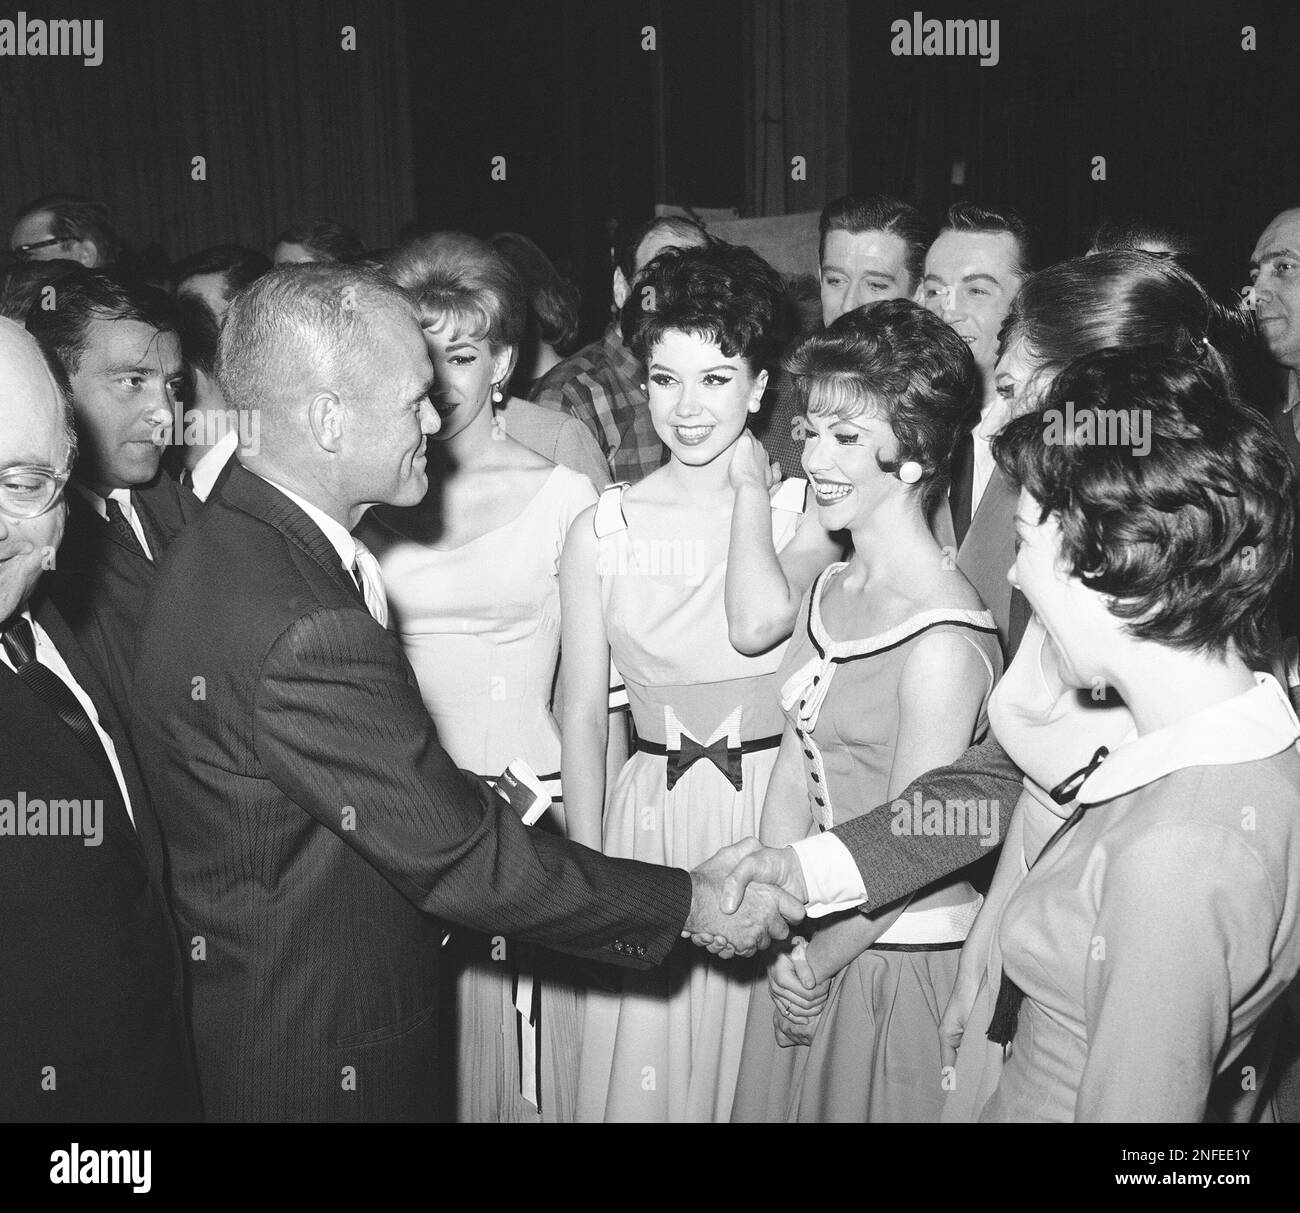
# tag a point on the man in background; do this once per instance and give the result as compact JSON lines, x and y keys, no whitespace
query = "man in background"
{"x":602,"y":384}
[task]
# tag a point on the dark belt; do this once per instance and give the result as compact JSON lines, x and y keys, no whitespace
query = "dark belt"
{"x":723,"y":756}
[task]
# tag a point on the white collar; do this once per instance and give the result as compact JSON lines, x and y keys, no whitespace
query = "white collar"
{"x":98,"y":503}
{"x":338,"y":535}
{"x":1246,"y":728}
{"x":993,"y":417}
{"x":203,"y":475}
{"x":1292,"y":391}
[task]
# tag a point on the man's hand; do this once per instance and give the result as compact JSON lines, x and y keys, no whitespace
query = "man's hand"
{"x":770,"y":865}
{"x":761,"y":914}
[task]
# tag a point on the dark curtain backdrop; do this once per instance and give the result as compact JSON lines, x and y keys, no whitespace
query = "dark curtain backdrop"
{"x":289,"y":122}
{"x":1195,"y":130}
{"x":595,"y":131}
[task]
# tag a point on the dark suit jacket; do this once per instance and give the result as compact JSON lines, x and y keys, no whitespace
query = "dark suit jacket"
{"x":315,"y":828}
{"x":92,"y":977}
{"x":100,"y":586}
{"x":987,"y":553}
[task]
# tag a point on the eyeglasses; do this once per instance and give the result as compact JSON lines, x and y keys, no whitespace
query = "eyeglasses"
{"x":24,"y":251}
{"x":29,"y":492}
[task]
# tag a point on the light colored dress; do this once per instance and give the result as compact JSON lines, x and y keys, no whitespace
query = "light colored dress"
{"x":665,"y":1045}
{"x":481,"y":627}
{"x":1054,"y":730}
{"x":1155,"y":935}
{"x":875,"y":1053}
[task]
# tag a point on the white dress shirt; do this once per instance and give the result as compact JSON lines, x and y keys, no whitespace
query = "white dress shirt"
{"x":203,"y":475}
{"x":123,"y":498}
{"x":995,"y":414}
{"x":49,"y":657}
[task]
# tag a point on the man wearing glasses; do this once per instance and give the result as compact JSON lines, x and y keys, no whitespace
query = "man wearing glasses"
{"x":116,"y":342}
{"x":65,"y":226}
{"x":91,"y":1024}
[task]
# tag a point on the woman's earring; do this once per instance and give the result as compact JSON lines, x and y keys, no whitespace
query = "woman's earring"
{"x":496,"y":394}
{"x":910,"y":472}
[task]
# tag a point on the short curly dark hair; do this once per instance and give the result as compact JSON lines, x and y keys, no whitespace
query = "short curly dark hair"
{"x":901,"y":362}
{"x":724,"y":292}
{"x":1189,"y":538}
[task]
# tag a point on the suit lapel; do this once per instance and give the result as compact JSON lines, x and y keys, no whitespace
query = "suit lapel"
{"x":66,"y":752}
{"x":251,"y":494}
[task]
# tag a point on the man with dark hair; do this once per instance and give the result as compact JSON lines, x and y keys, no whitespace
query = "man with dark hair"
{"x":602,"y":384}
{"x":316,"y":239}
{"x":972,"y":273}
{"x":872,"y":248}
{"x":116,"y":344}
{"x":68,"y":226}
{"x":92,"y":1025}
{"x":217,"y":274}
{"x":203,"y":450}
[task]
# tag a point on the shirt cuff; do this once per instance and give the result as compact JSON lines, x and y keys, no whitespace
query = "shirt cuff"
{"x":830,"y":876}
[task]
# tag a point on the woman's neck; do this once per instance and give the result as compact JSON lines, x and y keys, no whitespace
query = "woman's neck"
{"x":1162,"y":685}
{"x":891,"y":543}
{"x":704,"y":480}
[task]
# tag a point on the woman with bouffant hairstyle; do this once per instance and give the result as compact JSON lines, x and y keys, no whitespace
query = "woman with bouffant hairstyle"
{"x":1155,"y":929}
{"x":472,"y":575}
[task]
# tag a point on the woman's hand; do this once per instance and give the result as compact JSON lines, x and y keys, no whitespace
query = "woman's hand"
{"x":952,"y":1026}
{"x":750,"y":464}
{"x":798,"y":996}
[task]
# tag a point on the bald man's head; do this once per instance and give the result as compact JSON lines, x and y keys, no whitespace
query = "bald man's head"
{"x":1275,"y":276}
{"x":36,"y":444}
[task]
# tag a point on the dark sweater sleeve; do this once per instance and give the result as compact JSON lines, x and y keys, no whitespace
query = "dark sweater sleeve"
{"x":895,"y":865}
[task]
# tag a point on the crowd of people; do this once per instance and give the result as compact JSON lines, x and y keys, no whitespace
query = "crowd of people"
{"x":912,"y":689}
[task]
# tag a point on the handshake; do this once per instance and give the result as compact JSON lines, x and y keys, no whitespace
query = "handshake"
{"x":745,"y":897}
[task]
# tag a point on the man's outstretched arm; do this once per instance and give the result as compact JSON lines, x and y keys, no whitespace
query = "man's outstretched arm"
{"x":880,"y":857}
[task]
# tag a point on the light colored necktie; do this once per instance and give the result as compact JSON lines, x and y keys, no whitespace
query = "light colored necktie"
{"x":366,"y":568}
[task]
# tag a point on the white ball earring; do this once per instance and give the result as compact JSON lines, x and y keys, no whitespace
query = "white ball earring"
{"x":496,"y":394}
{"x":910,"y":472}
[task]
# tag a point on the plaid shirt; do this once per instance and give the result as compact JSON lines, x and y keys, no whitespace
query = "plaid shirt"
{"x":601,"y":386}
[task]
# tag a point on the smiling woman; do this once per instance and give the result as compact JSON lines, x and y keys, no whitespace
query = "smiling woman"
{"x":643,"y":578}
{"x":472,"y":574}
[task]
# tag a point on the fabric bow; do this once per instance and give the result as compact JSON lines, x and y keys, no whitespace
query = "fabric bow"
{"x":724,"y":757}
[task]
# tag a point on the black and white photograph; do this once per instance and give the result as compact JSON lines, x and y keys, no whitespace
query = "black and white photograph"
{"x":654,"y":562}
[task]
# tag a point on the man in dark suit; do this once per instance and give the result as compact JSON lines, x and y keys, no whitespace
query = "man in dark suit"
{"x":973,"y":271}
{"x":91,"y":1021}
{"x":316,"y":830}
{"x":115,"y":342}
{"x":1275,"y":281}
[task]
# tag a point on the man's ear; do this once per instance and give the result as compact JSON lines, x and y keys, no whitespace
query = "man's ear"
{"x":86,"y":252}
{"x":622,"y":289}
{"x":325,"y":419}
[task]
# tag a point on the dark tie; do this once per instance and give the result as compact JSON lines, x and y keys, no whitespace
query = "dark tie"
{"x":118,"y":524}
{"x":962,"y":492}
{"x":19,"y":642}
